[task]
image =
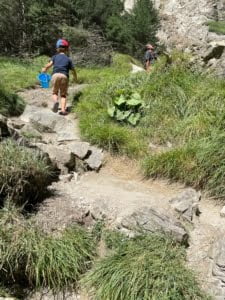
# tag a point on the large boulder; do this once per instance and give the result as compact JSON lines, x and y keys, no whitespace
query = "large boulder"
{"x":148,"y":220}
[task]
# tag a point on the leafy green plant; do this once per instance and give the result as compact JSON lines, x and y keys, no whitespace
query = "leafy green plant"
{"x":127,"y":108}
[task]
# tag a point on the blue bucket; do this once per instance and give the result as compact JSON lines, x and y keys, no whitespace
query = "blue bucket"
{"x":44,"y":79}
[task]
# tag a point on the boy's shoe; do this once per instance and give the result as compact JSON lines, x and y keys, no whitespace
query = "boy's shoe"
{"x":55,"y":107}
{"x":63,"y":113}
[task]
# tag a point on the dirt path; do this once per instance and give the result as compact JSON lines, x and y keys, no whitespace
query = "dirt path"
{"x":117,"y":191}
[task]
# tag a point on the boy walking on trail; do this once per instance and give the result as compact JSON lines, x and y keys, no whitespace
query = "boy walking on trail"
{"x":62,"y":64}
{"x":150,"y":56}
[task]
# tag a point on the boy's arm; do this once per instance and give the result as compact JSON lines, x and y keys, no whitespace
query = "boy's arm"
{"x":48,"y":66}
{"x":74,"y":75}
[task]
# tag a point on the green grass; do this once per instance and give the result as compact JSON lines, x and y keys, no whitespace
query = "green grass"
{"x":146,"y":268}
{"x":95,"y":124}
{"x":217,"y":26}
{"x":10,"y":104}
{"x":25,"y":174}
{"x":31,"y":258}
{"x":17,"y":73}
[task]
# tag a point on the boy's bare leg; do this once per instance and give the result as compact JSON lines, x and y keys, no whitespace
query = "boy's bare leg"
{"x":63,"y":104}
{"x":55,"y":98}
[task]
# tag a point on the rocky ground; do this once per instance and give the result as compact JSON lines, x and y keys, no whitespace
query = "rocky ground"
{"x":95,"y":186}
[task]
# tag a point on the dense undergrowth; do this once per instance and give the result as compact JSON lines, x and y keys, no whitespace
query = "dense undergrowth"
{"x":25,"y":174}
{"x":183,"y":108}
{"x":144,"y":268}
{"x":33,"y":259}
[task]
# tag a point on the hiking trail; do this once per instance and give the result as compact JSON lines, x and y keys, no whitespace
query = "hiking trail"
{"x":115,"y":193}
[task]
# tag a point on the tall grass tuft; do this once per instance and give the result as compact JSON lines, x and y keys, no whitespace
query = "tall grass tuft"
{"x":25,"y":173}
{"x":147,"y":267}
{"x":10,"y":104}
{"x":33,"y":259}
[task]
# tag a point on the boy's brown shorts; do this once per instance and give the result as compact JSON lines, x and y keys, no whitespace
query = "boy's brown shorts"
{"x":60,"y":83}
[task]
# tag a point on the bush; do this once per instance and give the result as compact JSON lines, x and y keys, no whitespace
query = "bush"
{"x":25,"y":173}
{"x":31,"y":258}
{"x":217,"y":27}
{"x":10,"y":104}
{"x":147,"y":267}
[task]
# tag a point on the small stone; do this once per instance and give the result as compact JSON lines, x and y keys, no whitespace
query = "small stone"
{"x":66,"y":178}
{"x":186,"y":204}
{"x":80,"y":149}
{"x":95,"y":160}
{"x":222,"y":212}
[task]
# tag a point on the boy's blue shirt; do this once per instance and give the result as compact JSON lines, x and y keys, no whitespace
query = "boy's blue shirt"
{"x":62,"y":64}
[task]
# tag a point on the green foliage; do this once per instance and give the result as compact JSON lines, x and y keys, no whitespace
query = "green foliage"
{"x":127,"y":108}
{"x":131,"y":31}
{"x":147,"y":267}
{"x":39,"y":24}
{"x":37,"y":260}
{"x":217,"y":26}
{"x":183,"y":108}
{"x":95,"y":124}
{"x":18,"y":73}
{"x":25,"y":173}
{"x":10,"y":104}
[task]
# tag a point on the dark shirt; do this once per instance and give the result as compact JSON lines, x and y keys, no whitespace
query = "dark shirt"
{"x":62,"y":64}
{"x":150,"y":56}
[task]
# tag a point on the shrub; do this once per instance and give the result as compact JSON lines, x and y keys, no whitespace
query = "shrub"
{"x":217,"y":26}
{"x":10,"y":104}
{"x":34,"y":259}
{"x":147,"y":267}
{"x":25,"y":173}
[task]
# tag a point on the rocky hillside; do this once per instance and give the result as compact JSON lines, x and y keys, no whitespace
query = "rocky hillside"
{"x":184,"y":26}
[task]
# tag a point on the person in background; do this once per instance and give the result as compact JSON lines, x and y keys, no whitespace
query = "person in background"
{"x":62,"y":65}
{"x":150,"y":57}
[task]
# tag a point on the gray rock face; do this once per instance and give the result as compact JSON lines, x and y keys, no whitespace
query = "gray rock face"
{"x":148,"y":220}
{"x":218,"y":268}
{"x":187,"y":204}
{"x":184,"y":27}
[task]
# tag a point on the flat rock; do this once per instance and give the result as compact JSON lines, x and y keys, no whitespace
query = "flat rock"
{"x":46,"y":121}
{"x":95,"y":159}
{"x":30,"y":132}
{"x":150,"y":221}
{"x":186,"y":204}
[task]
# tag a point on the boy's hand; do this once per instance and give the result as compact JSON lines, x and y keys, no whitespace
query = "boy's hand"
{"x":43,"y":70}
